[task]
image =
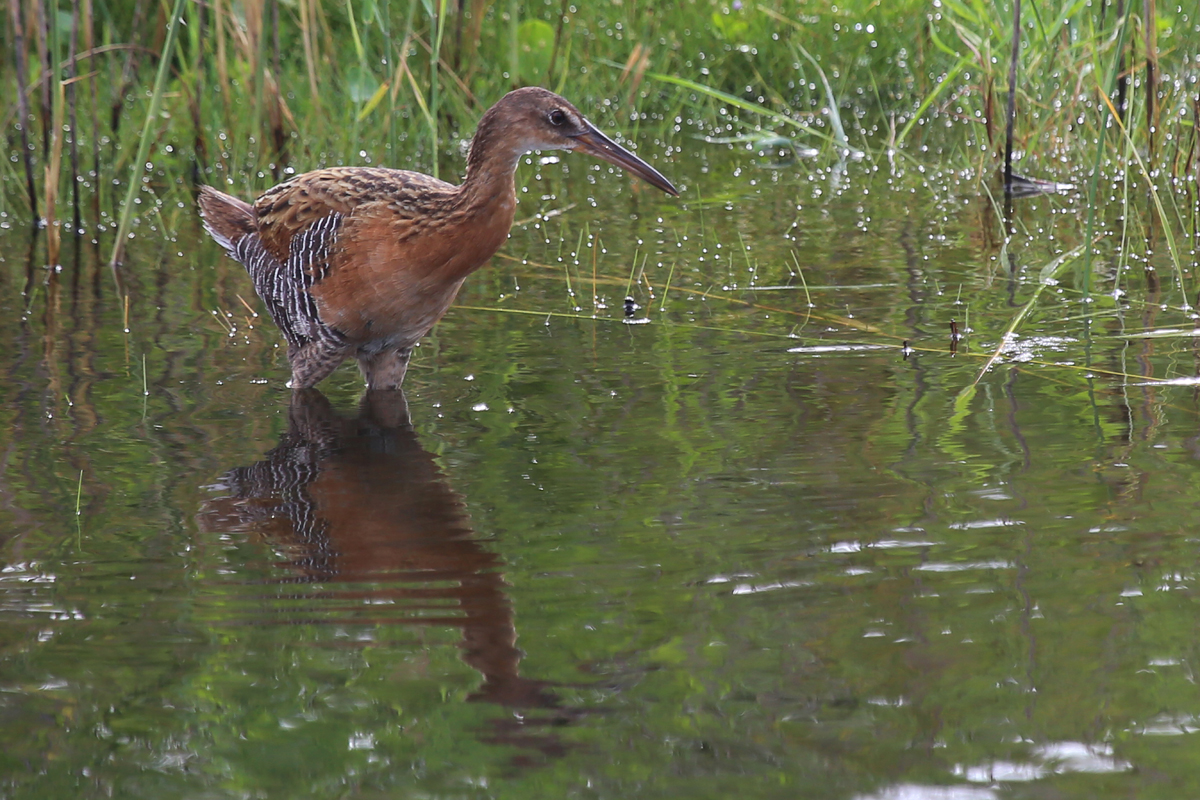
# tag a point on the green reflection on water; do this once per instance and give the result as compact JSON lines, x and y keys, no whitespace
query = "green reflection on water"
{"x":693,"y":557}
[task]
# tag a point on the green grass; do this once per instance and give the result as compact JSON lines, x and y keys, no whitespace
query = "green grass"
{"x":251,"y":89}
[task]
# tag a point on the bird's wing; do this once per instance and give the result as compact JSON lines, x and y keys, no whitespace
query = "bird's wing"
{"x":305,"y":228}
{"x":289,"y":211}
{"x":298,"y":224}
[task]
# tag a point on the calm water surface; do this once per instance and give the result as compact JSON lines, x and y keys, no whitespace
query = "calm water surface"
{"x":732,"y":544}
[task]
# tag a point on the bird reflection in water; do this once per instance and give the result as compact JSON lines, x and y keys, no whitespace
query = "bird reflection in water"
{"x":359,"y":501}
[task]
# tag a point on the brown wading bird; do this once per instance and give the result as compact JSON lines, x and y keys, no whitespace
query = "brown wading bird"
{"x":363,"y":261}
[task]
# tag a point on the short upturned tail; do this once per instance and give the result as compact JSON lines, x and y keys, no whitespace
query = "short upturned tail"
{"x":226,"y":218}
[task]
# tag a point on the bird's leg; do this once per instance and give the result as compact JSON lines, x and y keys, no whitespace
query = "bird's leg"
{"x":312,"y":420}
{"x":384,"y":370}
{"x":313,"y":362}
{"x":388,"y":408}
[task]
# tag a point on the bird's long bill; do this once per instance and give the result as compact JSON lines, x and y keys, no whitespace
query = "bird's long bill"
{"x":597,"y":144}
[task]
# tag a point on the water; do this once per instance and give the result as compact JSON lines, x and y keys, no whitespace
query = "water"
{"x":744,"y":548}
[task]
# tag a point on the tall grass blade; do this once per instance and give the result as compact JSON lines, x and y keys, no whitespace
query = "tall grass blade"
{"x":307,"y":36}
{"x":199,"y":141}
{"x":728,"y":99}
{"x":835,"y":118}
{"x":139,"y":163}
{"x":222,"y":61}
{"x":1155,"y":197}
{"x":943,"y":84}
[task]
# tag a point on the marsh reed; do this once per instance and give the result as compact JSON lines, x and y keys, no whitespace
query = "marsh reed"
{"x":235,"y":91}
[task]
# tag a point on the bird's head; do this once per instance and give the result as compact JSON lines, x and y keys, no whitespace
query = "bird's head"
{"x":538,"y":119}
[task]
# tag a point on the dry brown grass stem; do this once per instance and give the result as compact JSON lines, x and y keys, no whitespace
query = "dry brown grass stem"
{"x":477,"y":11}
{"x":222,"y":63}
{"x":635,"y":70}
{"x":310,"y":49}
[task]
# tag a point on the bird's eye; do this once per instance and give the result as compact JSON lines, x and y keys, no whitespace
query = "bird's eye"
{"x":558,"y":117}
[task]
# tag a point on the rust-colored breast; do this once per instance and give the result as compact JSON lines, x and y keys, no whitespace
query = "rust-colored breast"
{"x":400,"y":261}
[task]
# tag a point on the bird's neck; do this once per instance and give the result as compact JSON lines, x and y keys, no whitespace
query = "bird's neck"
{"x":491,"y":162}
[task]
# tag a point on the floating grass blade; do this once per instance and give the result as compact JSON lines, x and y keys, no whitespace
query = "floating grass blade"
{"x":139,"y":163}
{"x":1045,"y":278}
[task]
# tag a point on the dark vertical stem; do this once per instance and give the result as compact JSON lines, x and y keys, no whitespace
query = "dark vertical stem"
{"x":21,"y":55}
{"x":199,"y":144}
{"x":127,"y":69}
{"x":1122,"y":79}
{"x":72,"y":71}
{"x":989,"y":113}
{"x":456,"y":59}
{"x":1012,"y":96}
{"x":46,"y":58}
{"x":1149,"y":13}
{"x":558,"y":34}
{"x":88,"y":43}
{"x":1193,"y":162}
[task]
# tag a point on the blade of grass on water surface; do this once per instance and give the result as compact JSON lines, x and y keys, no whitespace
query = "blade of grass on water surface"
{"x":1045,"y":278}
